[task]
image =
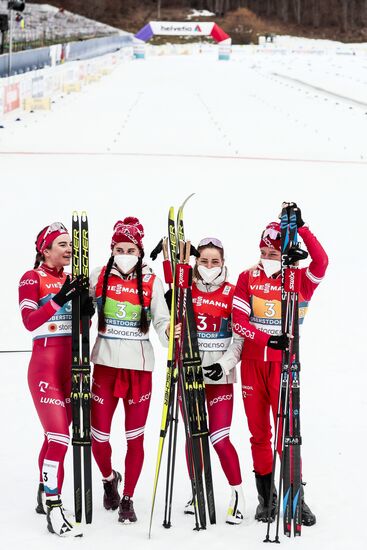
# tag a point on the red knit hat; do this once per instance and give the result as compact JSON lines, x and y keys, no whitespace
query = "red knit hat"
{"x":48,"y":235}
{"x":271,"y":236}
{"x":128,"y":230}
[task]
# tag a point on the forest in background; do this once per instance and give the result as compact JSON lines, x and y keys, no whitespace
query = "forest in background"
{"x":243,"y":20}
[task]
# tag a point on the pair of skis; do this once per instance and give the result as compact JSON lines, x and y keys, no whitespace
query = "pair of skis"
{"x":80,"y":374}
{"x":184,"y":382}
{"x":287,"y":429}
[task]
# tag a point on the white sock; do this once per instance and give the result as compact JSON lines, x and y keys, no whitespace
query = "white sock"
{"x":53,"y":497}
{"x":241,"y":498}
{"x":110,"y":477}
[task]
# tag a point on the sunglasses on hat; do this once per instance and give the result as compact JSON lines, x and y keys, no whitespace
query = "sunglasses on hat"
{"x":56,"y":226}
{"x":273,"y":234}
{"x":210,"y":240}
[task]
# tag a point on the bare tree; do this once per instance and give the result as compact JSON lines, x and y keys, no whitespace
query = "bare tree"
{"x":364,"y":12}
{"x":282,"y":10}
{"x":344,"y":15}
{"x":316,"y":19}
{"x":297,"y":10}
{"x":352,"y":13}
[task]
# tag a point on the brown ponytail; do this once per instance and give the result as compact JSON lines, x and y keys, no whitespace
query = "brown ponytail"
{"x":144,"y":325}
{"x":39,"y":258}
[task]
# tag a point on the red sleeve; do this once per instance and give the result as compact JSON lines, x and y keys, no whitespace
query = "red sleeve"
{"x":32,"y":315}
{"x":314,"y":273}
{"x":241,"y":313}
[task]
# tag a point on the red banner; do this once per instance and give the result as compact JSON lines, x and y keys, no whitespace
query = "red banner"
{"x":11,"y":98}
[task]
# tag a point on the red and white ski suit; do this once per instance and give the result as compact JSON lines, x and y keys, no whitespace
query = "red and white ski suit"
{"x":256,"y":316}
{"x":49,"y":371}
{"x":212,"y":305}
{"x":123,"y":363}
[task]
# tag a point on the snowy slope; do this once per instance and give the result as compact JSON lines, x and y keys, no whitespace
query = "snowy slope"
{"x":243,"y":140}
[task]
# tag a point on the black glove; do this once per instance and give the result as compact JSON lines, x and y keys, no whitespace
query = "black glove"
{"x":214,"y":372}
{"x":279,"y":342}
{"x":87,"y":306}
{"x":69,"y":290}
{"x":168,"y":298}
{"x":298,"y":213}
{"x":295,"y":254}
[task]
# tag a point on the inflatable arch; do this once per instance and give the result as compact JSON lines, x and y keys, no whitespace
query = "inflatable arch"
{"x":190,"y":28}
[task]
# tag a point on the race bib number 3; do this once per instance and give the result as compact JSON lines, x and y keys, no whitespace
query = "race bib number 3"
{"x":122,"y":311}
{"x":49,"y":475}
{"x":266,"y":309}
{"x":208,"y":323}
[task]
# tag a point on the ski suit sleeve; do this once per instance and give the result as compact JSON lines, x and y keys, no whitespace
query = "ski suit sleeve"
{"x":159,"y":311}
{"x":314,"y":273}
{"x":93,"y":280}
{"x":232,"y":355}
{"x":33,"y":316}
{"x":241,"y":313}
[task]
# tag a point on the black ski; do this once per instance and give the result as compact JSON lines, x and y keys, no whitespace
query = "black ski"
{"x":287,"y":422}
{"x":192,"y":358}
{"x":192,"y":355}
{"x":80,"y":369}
{"x":184,"y":380}
{"x":187,"y":387}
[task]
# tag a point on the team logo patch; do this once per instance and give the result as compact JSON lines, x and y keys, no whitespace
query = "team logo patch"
{"x":43,"y":386}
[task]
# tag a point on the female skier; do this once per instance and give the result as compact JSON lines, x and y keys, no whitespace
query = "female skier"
{"x":44,"y":300}
{"x":257,"y":317}
{"x":212,"y":298}
{"x":129,"y":298}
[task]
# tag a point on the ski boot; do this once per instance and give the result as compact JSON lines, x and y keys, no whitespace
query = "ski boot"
{"x":263,"y":490}
{"x":57,"y":522}
{"x":308,"y":518}
{"x":189,"y":507}
{"x":126,"y":511}
{"x":111,"y":497}
{"x":41,"y":500}
{"x":236,"y":509}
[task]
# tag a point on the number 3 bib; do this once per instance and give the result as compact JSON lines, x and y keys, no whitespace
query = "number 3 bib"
{"x":122,"y":307}
{"x":213,"y":317}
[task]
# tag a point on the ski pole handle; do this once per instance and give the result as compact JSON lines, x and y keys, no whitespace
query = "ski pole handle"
{"x":187,"y":252}
{"x":167,"y":267}
{"x":292,"y":280}
{"x":182,"y":252}
{"x":183,"y":275}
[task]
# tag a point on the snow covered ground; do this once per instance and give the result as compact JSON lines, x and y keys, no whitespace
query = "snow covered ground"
{"x":243,"y":135}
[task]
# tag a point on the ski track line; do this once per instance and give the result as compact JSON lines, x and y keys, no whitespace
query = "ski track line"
{"x":322,"y":90}
{"x":181,"y":155}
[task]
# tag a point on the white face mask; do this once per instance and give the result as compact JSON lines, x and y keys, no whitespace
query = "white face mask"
{"x":270,"y":266}
{"x":209,"y":274}
{"x":126,"y":262}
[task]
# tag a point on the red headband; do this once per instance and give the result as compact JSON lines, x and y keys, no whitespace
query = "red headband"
{"x":271,"y":236}
{"x":48,"y":235}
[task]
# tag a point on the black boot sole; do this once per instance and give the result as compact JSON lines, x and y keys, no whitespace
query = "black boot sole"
{"x":308,"y":523}
{"x":264,"y":520}
{"x":111,"y":507}
{"x":40,"y":510}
